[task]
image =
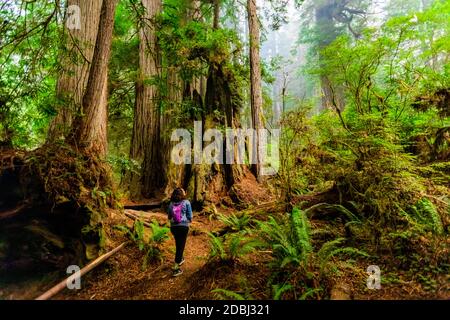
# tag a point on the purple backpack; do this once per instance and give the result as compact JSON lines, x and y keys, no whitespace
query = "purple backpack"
{"x":177,"y":210}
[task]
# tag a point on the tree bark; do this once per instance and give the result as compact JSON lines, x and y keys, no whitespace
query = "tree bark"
{"x":89,"y":130}
{"x":148,"y":105}
{"x":216,"y":14}
{"x":180,"y":90}
{"x":255,"y":80}
{"x":75,"y":60}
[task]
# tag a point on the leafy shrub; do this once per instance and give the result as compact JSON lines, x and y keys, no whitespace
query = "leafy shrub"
{"x":296,"y":264}
{"x":150,"y":245}
{"x":289,"y":239}
{"x":232,"y":247}
{"x":235,"y":222}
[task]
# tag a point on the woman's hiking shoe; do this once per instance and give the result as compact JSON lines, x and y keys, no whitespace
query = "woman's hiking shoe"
{"x":177,"y":272}
{"x":181,"y":263}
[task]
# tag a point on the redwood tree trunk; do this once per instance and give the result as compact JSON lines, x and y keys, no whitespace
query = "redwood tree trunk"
{"x":148,"y":107}
{"x":179,"y":90}
{"x":79,"y":47}
{"x":255,"y":80}
{"x":89,"y":129}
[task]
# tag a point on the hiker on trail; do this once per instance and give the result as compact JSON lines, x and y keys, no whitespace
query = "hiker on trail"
{"x":180,"y":216}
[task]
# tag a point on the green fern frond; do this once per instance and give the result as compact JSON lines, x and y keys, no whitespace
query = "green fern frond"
{"x":431,"y":216}
{"x":331,"y":249}
{"x":159,"y":234}
{"x":227,"y":294}
{"x":217,"y":247}
{"x":309,"y":293}
{"x":279,"y":290}
{"x":235,"y":222}
{"x":301,"y":231}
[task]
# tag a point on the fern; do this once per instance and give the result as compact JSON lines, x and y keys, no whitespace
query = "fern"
{"x":279,"y":290}
{"x":290,"y":240}
{"x":337,"y":208}
{"x":331,"y":249}
{"x":217,"y":248}
{"x":309,"y":293}
{"x":224,"y":294}
{"x":233,"y":247}
{"x":159,"y":234}
{"x":422,"y":217}
{"x":430,"y":215}
{"x":301,"y":232}
{"x":235,"y":222}
{"x":150,"y":247}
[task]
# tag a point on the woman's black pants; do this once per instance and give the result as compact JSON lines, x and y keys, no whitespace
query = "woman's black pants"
{"x":180,"y":234}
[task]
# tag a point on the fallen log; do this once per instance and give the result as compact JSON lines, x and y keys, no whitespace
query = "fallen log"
{"x":63,"y":284}
{"x":144,"y":207}
{"x":132,"y":216}
{"x":12,"y":212}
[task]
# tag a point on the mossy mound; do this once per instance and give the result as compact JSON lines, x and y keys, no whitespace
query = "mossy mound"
{"x":52,"y":206}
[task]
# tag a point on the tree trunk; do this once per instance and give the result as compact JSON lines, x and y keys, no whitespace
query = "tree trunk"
{"x":146,"y":115}
{"x":325,"y":14}
{"x":79,"y":46}
{"x":193,"y":90}
{"x":175,"y":173}
{"x":216,"y":14}
{"x":148,"y":106}
{"x":255,"y":79}
{"x":89,"y":129}
{"x":209,"y":183}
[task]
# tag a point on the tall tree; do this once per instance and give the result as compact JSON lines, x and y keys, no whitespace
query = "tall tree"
{"x":333,"y":18}
{"x":180,"y":91}
{"x":255,"y":80}
{"x":89,"y":128}
{"x":80,"y":34}
{"x":147,"y":140}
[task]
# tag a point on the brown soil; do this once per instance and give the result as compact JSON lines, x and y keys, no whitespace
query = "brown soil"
{"x":123,"y":277}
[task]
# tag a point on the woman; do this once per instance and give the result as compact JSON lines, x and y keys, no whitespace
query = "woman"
{"x":180,"y":216}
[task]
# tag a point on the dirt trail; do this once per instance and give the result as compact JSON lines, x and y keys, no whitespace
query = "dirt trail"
{"x":122,"y":277}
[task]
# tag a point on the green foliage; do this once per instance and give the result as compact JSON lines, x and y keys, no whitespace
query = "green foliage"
{"x":227,"y":295}
{"x":338,"y":209}
{"x":289,"y":239}
{"x":30,"y":36}
{"x":295,"y":166}
{"x":426,"y":212}
{"x":232,"y":247}
{"x":245,"y":292}
{"x":236,"y":222}
{"x":331,"y":249}
{"x":296,"y":263}
{"x":151,"y":244}
{"x":421,"y":218}
{"x":123,"y":166}
{"x":280,"y":289}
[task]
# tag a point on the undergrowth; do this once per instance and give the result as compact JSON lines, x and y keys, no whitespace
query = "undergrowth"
{"x":150,"y":243}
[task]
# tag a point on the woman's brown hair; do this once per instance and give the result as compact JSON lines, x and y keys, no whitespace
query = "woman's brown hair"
{"x":178,"y":195}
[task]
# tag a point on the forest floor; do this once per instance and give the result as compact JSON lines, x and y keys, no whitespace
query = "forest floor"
{"x":123,"y":277}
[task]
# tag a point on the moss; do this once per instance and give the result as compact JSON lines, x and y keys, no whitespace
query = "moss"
{"x":74,"y":188}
